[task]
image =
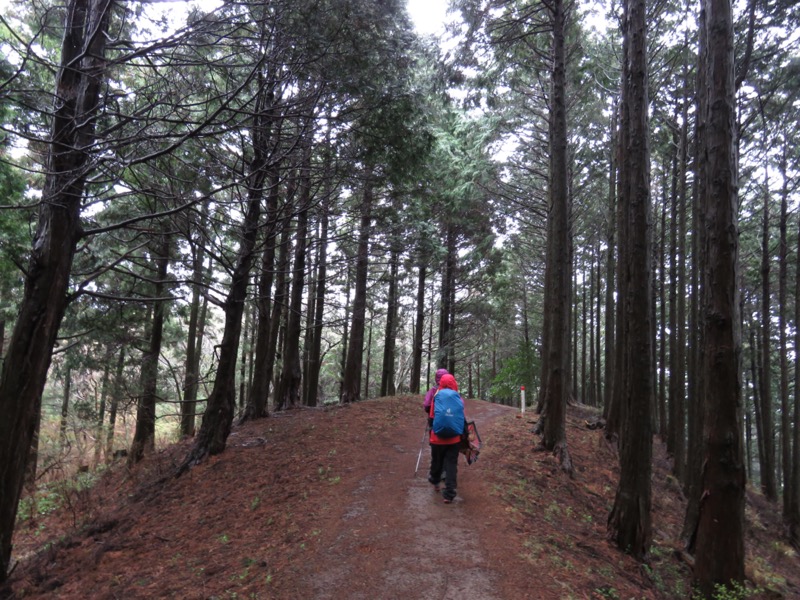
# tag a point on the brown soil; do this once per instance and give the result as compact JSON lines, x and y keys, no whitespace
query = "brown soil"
{"x":325,"y":504}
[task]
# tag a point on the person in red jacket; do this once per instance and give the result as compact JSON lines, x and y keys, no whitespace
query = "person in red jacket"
{"x":431,"y":392}
{"x":426,"y":406}
{"x":444,"y":450}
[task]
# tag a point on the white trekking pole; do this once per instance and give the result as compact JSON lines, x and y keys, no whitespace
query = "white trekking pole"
{"x":422,"y":447}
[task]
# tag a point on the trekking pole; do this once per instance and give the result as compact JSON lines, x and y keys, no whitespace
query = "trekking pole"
{"x":421,"y":448}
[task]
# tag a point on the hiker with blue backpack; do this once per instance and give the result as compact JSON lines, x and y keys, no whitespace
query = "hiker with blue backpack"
{"x":448,"y":424}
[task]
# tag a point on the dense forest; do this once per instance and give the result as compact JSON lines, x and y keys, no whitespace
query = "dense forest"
{"x":214,"y":213}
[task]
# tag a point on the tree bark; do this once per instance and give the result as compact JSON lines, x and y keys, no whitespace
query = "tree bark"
{"x":680,"y":321}
{"x":663,"y":421}
{"x":351,"y":381}
{"x":221,"y":403}
{"x":591,"y":397}
{"x":611,"y":269}
{"x":388,"y":387}
{"x":584,"y":335}
{"x":419,"y":328}
{"x":720,"y":536}
{"x":218,"y":417}
{"x":279,"y":302}
{"x":77,"y":94}
{"x":768,"y":483}
{"x":101,"y":412}
{"x":629,"y":523}
{"x":445,"y":352}
{"x":695,"y":374}
{"x":557,"y":295}
{"x":145,"y":432}
{"x":112,"y":409}
{"x":678,"y":325}
{"x":614,"y":406}
{"x":311,"y":293}
{"x":794,"y":505}
{"x":244,"y":353}
{"x":193,"y":349}
{"x":288,"y":393}
{"x":62,"y":429}
{"x":786,"y":432}
{"x":368,"y":351}
{"x":315,"y":354}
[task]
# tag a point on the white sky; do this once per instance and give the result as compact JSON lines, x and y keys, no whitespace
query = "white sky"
{"x":428,"y":15}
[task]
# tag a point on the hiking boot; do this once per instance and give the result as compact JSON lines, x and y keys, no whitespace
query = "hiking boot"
{"x":448,"y":500}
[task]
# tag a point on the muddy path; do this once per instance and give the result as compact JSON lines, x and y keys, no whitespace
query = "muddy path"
{"x":397,"y":539}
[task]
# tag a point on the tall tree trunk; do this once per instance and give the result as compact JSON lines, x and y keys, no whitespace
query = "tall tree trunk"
{"x":62,"y":429}
{"x":345,"y":327}
{"x":695,"y":373}
{"x":445,"y":352}
{"x":663,"y":422}
{"x":244,"y":353}
{"x":145,"y":432}
{"x":430,"y":338}
{"x":786,"y":432}
{"x":315,"y":354}
{"x":189,"y":404}
{"x":748,"y":431}
{"x":794,"y":505}
{"x":388,"y":387}
{"x":629,"y":523}
{"x":218,"y":417}
{"x":193,"y":351}
{"x":653,"y":325}
{"x":77,"y":93}
{"x":680,"y":321}
{"x":419,"y":327}
{"x":311,"y":294}
{"x":451,"y":313}
{"x":614,"y":407}
{"x":768,"y":484}
{"x":611,"y":268}
{"x":220,"y":405}
{"x":351,"y":383}
{"x":591,"y":399}
{"x":719,"y":556}
{"x":675,"y":439}
{"x":584,"y":336}
{"x":101,"y":412}
{"x":258,"y":399}
{"x":288,"y":393}
{"x":554,"y":436}
{"x":368,"y":351}
{"x":755,"y":361}
{"x":598,"y":334}
{"x":279,"y":302}
{"x":112,"y":409}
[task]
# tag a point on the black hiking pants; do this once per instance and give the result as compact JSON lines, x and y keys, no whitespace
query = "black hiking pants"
{"x":445,"y":457}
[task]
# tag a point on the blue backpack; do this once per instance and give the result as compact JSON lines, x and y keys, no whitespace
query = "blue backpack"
{"x":448,"y":414}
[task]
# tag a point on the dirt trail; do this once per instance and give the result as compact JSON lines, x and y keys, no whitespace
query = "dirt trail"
{"x":397,"y":539}
{"x":323,"y":504}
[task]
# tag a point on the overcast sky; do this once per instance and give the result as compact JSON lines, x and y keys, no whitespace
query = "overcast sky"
{"x":428,"y":15}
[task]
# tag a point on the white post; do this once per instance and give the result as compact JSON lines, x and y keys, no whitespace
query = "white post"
{"x":522,"y":399}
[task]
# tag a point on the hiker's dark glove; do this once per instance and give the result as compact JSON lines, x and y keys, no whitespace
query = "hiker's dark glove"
{"x":430,"y":423}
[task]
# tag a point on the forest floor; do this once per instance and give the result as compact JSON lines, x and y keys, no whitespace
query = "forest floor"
{"x":325,"y":504}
